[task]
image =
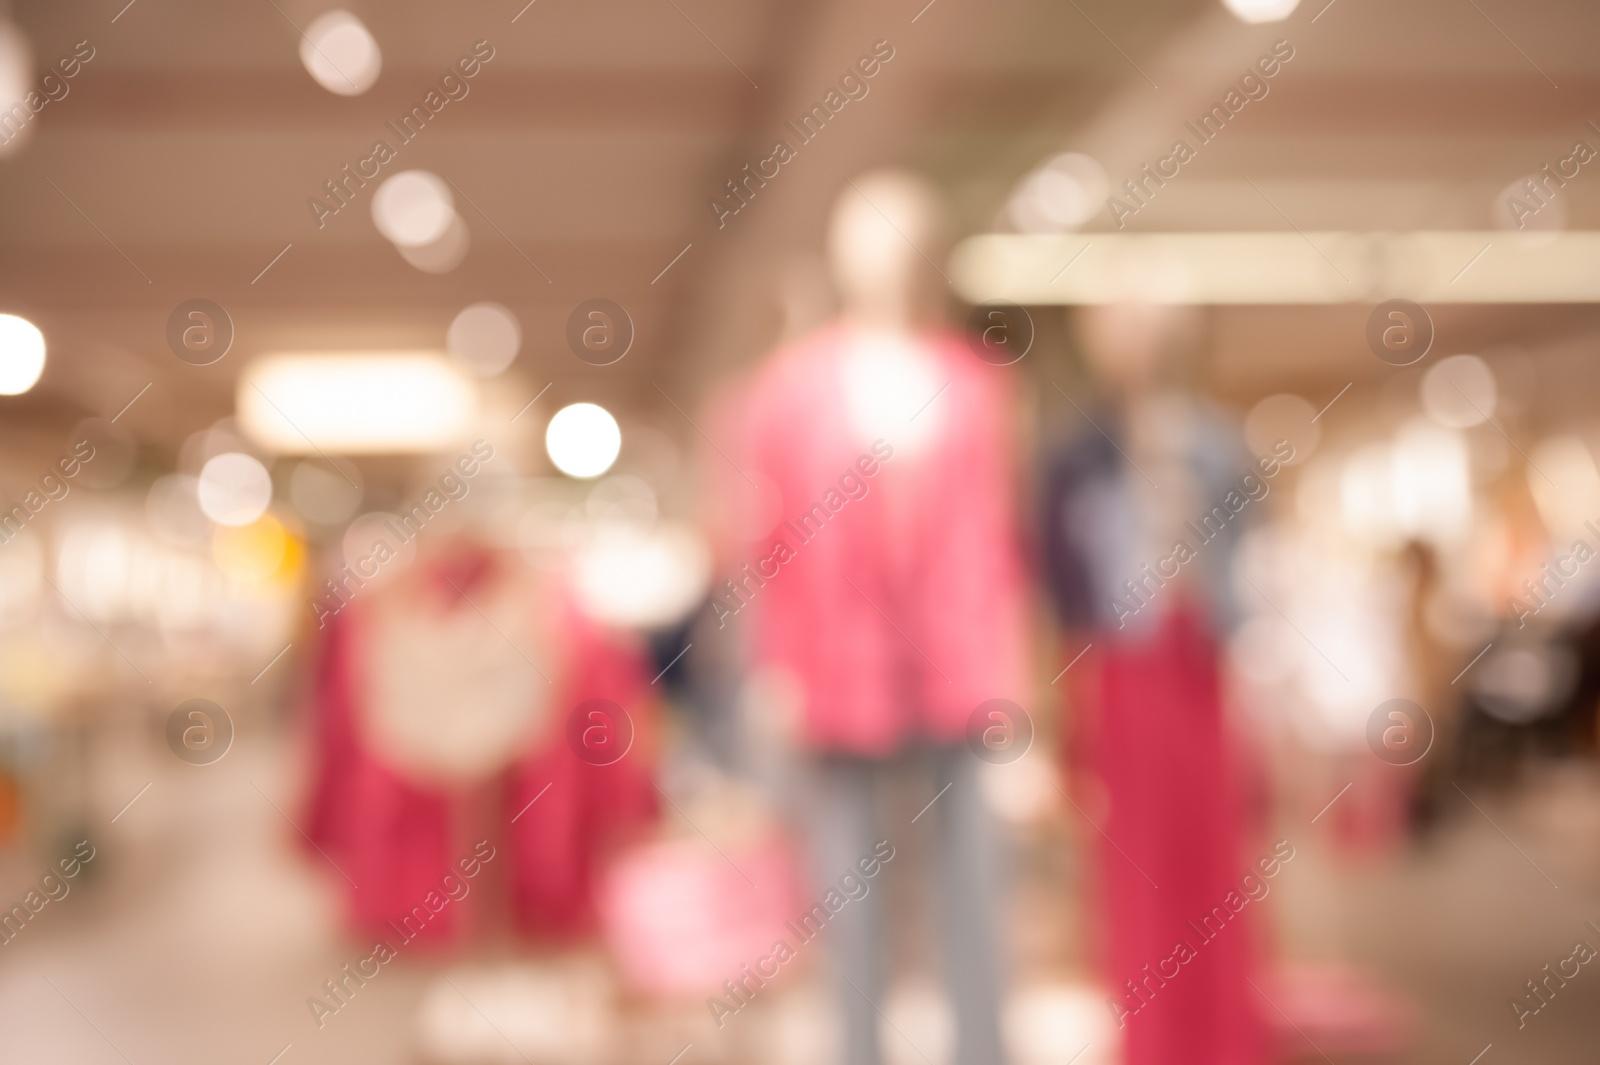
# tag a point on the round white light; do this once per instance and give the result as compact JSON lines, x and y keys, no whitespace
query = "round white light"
{"x":21,"y":355}
{"x":1459,"y":392}
{"x":1254,"y":11}
{"x":583,"y":440}
{"x":413,"y":208}
{"x":444,"y":254}
{"x":234,"y":489}
{"x":484,"y":339}
{"x":340,"y":54}
{"x":1061,"y":194}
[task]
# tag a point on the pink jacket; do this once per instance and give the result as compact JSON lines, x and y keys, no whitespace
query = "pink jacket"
{"x":888,"y":586}
{"x":393,"y":838}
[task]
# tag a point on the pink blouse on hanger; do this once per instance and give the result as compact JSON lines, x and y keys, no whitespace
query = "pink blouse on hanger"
{"x":393,"y":837}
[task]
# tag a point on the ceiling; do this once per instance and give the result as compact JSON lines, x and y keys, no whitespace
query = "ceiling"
{"x":181,"y":163}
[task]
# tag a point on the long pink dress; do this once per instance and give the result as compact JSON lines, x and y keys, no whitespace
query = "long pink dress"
{"x":1170,"y":853}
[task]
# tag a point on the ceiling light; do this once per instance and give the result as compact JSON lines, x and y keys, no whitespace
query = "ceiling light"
{"x":1459,"y":392}
{"x":444,"y":254}
{"x":1253,"y":11}
{"x":1061,"y":194}
{"x":340,"y":54}
{"x":413,"y":208}
{"x":234,"y":489}
{"x":363,"y":403}
{"x":16,"y":71}
{"x":484,"y":339}
{"x":1279,"y":267}
{"x":583,"y":440}
{"x":21,"y":355}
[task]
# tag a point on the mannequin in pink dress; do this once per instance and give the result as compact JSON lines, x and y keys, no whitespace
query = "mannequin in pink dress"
{"x":884,"y":599}
{"x":1154,"y":764}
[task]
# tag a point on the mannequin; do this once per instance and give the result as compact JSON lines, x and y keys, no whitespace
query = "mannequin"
{"x":889,"y":371}
{"x":886,"y":596}
{"x":1153,"y":762}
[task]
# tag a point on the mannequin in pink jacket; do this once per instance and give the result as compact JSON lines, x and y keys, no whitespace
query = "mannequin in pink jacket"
{"x":884,"y":596}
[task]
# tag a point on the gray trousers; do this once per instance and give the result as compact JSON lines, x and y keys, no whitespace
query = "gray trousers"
{"x":845,"y":825}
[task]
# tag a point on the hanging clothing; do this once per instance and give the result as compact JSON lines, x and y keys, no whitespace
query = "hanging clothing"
{"x":394,"y":817}
{"x":558,"y":843}
{"x":886,"y":588}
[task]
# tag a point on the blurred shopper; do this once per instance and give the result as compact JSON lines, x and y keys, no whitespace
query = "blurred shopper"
{"x":1142,"y":509}
{"x":884,"y":592}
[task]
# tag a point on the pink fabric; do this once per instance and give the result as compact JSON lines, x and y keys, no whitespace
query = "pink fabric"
{"x":559,"y":843}
{"x":680,"y":918}
{"x":1155,"y":738}
{"x":932,"y":626}
{"x":394,"y":839}
{"x":1340,"y":1010}
{"x":1373,"y":819}
{"x":390,"y":838}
